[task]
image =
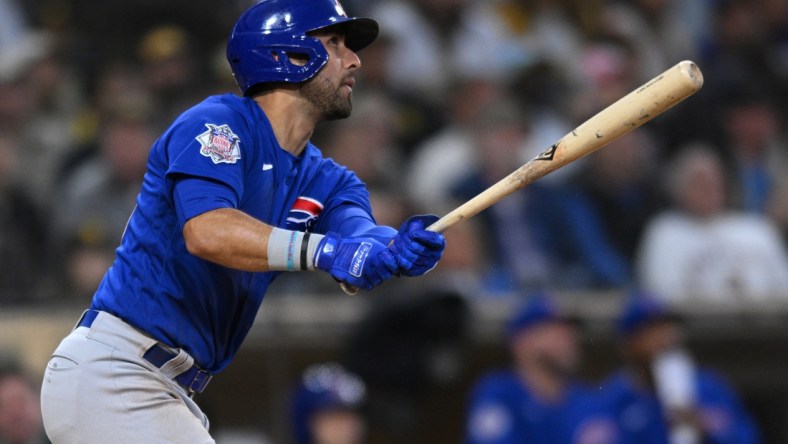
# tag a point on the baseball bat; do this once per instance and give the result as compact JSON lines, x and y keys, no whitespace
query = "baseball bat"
{"x":631,"y":111}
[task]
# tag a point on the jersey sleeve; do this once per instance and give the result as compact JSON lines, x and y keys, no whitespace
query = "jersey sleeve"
{"x":353,"y":221}
{"x":194,"y":196}
{"x":347,"y":209}
{"x":210,"y":142}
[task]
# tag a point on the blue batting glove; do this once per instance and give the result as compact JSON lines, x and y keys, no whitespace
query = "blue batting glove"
{"x":361,"y":262}
{"x":417,"y":250}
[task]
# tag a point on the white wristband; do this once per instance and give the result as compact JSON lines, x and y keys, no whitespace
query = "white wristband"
{"x":292,"y":250}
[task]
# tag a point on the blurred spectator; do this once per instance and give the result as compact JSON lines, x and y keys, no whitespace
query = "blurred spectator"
{"x":98,"y":196}
{"x":613,"y":198}
{"x":535,"y":231}
{"x":22,"y":255}
{"x":466,"y":266}
{"x":389,"y":206}
{"x":328,"y":406}
{"x":120,"y":86}
{"x":448,"y":155}
{"x":662,"y":32}
{"x":758,"y":151}
{"x":539,"y":400}
{"x":660,"y":396}
{"x":371,"y":131}
{"x":119,"y":90}
{"x":171,"y":74}
{"x":50,"y":131}
{"x":543,"y":92}
{"x":520,"y":225}
{"x":608,"y":71}
{"x":420,"y":32}
{"x":20,"y":412}
{"x":699,"y":248}
{"x":39,"y":100}
{"x":414,"y":116}
{"x":516,"y":34}
{"x":741,"y":46}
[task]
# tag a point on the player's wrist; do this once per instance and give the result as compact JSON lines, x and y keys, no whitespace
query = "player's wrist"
{"x":292,"y":250}
{"x":326,"y":251}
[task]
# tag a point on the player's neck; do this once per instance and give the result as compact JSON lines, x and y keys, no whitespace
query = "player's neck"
{"x":285,"y":111}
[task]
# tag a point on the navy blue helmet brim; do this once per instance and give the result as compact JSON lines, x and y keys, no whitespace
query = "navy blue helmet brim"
{"x":359,"y":32}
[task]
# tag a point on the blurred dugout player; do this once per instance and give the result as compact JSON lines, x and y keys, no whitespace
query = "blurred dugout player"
{"x":327,"y":406}
{"x":646,"y":394}
{"x":539,"y":401}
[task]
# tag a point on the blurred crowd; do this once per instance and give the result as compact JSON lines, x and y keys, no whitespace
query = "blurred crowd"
{"x":454,"y":95}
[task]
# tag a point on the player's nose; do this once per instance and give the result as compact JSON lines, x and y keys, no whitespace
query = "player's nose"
{"x":352,"y":61}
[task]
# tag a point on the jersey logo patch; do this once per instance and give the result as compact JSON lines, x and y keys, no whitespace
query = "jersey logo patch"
{"x":304,"y":213}
{"x":220,"y":144}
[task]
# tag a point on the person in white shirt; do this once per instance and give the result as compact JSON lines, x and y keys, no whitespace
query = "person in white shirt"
{"x":702,"y":249}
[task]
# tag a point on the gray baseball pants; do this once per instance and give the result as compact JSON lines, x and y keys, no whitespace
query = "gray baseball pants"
{"x":97,"y":388}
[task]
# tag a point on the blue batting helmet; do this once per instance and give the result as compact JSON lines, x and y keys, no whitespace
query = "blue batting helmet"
{"x":270,"y":31}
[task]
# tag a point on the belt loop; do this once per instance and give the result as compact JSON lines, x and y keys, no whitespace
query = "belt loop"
{"x":86,"y":319}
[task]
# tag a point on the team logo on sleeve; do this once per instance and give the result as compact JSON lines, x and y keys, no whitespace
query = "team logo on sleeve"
{"x":304,"y":213}
{"x":220,"y":144}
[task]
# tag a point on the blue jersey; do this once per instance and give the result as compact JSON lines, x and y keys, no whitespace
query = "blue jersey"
{"x":504,"y":411}
{"x":226,"y":149}
{"x":642,"y":419}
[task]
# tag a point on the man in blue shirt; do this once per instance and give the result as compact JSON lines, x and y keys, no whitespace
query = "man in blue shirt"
{"x":660,"y":397}
{"x":234,"y":194}
{"x":539,"y":401}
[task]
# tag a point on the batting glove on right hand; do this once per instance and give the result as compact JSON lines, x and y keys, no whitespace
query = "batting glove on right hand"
{"x":361,"y":262}
{"x":417,"y":250}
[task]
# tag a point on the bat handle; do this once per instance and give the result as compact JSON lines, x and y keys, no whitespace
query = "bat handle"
{"x":439,"y":226}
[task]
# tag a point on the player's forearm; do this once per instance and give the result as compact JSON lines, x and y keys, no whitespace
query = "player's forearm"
{"x":230,"y":238}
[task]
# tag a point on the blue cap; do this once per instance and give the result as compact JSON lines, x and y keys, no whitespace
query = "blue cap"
{"x":640,"y":311}
{"x":539,"y":309}
{"x":324,"y":387}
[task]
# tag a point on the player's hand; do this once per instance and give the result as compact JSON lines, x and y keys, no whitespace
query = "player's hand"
{"x":361,"y":262}
{"x":417,"y":250}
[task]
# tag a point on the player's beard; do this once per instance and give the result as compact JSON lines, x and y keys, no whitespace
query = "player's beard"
{"x":327,"y":98}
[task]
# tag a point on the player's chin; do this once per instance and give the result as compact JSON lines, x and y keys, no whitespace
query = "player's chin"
{"x":341,"y":109}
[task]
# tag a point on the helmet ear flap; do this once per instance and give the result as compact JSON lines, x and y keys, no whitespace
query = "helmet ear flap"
{"x":293,"y":61}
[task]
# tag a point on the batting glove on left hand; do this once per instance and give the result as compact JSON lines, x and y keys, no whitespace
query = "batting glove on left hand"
{"x":360,"y":262}
{"x":417,"y":250}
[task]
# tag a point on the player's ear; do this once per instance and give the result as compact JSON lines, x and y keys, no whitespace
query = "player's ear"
{"x":298,"y":59}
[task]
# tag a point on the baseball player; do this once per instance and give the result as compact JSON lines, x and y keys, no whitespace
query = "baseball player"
{"x":539,"y":401}
{"x":234,"y":195}
{"x":648,"y":331}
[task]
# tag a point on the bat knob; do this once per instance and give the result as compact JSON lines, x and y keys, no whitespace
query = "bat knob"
{"x":348,"y":289}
